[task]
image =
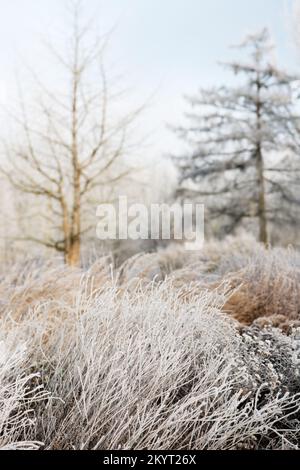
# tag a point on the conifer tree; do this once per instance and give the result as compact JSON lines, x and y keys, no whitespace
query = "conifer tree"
{"x":238,"y":136}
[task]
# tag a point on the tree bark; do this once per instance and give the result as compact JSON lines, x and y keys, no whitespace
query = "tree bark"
{"x":72,"y":257}
{"x":263,"y":230}
{"x":261,"y":210}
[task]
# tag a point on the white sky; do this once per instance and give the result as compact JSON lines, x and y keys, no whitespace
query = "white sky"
{"x":169,"y":47}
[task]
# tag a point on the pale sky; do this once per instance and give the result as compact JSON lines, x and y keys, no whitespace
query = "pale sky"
{"x":169,"y":47}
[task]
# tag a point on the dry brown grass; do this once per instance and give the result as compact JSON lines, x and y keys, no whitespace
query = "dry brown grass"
{"x":263,"y":283}
{"x":267,"y":290}
{"x":29,"y":284}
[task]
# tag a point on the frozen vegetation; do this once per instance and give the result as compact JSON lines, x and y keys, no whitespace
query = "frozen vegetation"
{"x":171,"y":351}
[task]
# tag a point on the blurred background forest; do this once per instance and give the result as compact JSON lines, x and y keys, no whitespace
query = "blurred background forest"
{"x":79,"y":128}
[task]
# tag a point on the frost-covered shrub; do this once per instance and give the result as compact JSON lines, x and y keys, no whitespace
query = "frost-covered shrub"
{"x":272,"y":360}
{"x":134,"y":361}
{"x":268,"y":288}
{"x":144,"y":368}
{"x":264,"y":282}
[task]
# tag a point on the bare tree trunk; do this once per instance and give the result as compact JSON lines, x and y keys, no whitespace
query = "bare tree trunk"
{"x":262,"y":217}
{"x":263,"y":231}
{"x":72,"y":257}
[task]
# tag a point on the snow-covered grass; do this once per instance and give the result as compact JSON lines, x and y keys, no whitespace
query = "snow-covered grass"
{"x":107,"y":360}
{"x":20,"y":393}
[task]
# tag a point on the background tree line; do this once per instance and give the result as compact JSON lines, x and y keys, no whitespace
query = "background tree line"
{"x":71,"y":150}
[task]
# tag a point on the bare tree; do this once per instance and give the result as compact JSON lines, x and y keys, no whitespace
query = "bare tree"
{"x":71,"y":143}
{"x":239,"y":138}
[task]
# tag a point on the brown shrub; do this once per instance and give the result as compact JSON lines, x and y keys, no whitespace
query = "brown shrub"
{"x":268,"y":288}
{"x":29,"y":284}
